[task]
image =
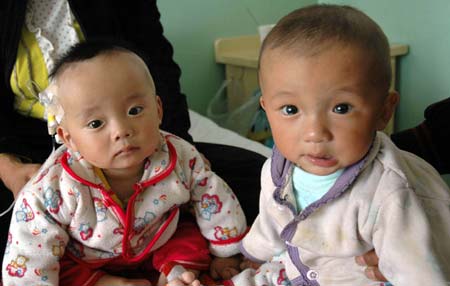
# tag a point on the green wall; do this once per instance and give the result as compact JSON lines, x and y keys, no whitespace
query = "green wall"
{"x":193,"y":25}
{"x":424,"y":73}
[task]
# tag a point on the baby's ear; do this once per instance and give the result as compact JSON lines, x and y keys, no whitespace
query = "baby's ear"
{"x":389,"y":105}
{"x":159,"y":108}
{"x":65,"y":137}
{"x":262,"y":103}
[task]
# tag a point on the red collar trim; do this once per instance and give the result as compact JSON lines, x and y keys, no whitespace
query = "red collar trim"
{"x":128,"y":219}
{"x":173,"y":156}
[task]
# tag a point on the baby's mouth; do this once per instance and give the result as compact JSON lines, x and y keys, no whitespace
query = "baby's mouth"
{"x":126,"y":150}
{"x":321,"y":160}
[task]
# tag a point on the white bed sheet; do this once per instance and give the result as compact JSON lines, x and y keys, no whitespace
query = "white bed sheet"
{"x":204,"y":129}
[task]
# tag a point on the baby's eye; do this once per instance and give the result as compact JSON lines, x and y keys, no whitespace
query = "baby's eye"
{"x":342,"y":108}
{"x":135,"y":110}
{"x":94,"y":124}
{"x":289,"y":109}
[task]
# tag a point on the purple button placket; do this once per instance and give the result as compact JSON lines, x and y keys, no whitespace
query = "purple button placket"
{"x":302,"y":280}
{"x":341,"y":185}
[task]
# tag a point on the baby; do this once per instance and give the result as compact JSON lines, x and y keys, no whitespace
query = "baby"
{"x":335,"y":187}
{"x":104,"y":209}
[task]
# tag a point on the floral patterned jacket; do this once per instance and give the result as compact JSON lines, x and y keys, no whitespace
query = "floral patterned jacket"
{"x":67,"y":207}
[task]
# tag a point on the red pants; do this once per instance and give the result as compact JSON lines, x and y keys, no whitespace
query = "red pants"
{"x":186,"y":247}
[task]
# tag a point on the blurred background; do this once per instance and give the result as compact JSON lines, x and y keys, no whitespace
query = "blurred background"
{"x":423,"y":75}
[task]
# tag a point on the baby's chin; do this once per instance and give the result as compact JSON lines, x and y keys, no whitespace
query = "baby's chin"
{"x":321,"y":172}
{"x":318,"y":170}
{"x":127,"y":163}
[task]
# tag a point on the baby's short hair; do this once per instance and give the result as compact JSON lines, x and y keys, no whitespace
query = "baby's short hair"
{"x":90,"y":49}
{"x":309,"y":30}
{"x":80,"y":52}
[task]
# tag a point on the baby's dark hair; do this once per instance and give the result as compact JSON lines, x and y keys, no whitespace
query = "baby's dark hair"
{"x":87,"y":50}
{"x":309,"y":30}
{"x":78,"y":53}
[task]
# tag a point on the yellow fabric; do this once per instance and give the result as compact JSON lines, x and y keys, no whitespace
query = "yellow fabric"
{"x":102,"y":177}
{"x":30,"y":74}
{"x":77,"y":27}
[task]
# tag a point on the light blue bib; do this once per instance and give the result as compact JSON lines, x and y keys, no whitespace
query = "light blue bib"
{"x":308,"y":188}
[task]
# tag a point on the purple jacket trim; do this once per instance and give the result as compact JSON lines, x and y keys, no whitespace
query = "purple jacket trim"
{"x":340,"y":186}
{"x":299,"y":282}
{"x":302,"y":280}
{"x":287,"y":234}
{"x":279,"y":168}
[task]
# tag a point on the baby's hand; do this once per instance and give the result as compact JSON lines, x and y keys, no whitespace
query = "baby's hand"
{"x":176,"y":275}
{"x":187,"y":278}
{"x":246,"y":263}
{"x":109,"y":280}
{"x":225,"y":267}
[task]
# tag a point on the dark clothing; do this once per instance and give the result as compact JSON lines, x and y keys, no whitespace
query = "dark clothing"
{"x":430,"y":139}
{"x":136,"y":22}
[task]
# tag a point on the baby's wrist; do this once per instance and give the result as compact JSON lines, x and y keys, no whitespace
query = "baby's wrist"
{"x":172,"y":270}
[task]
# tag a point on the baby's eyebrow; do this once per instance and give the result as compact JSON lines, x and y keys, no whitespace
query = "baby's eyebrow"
{"x":350,"y":88}
{"x":284,"y":96}
{"x":86,"y":112}
{"x":135,"y":96}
